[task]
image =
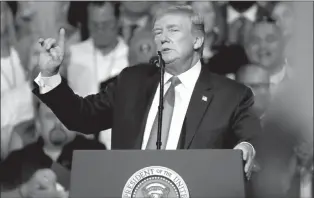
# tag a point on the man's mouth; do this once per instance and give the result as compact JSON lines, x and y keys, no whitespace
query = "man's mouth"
{"x":166,"y":50}
{"x":264,"y":54}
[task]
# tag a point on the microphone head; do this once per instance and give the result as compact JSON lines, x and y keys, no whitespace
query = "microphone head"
{"x":159,"y":53}
{"x":154,"y":60}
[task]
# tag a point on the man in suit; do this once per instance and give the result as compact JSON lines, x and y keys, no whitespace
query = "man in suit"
{"x":257,"y":78}
{"x":235,"y":20}
{"x":192,"y":115}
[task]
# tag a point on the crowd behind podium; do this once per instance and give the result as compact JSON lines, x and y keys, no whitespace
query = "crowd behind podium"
{"x":249,"y":42}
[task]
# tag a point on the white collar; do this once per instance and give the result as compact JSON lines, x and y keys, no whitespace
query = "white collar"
{"x":278,"y":77}
{"x":249,"y":14}
{"x":189,"y":77}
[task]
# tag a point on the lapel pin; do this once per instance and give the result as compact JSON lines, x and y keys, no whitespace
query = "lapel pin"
{"x":204,"y":98}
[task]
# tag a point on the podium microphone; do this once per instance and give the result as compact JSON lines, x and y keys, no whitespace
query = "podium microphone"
{"x":161,"y":99}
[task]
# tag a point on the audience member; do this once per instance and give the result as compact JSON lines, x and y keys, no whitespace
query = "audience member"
{"x":135,"y":16}
{"x":300,"y":179}
{"x":265,"y":47}
{"x":234,"y":21}
{"x":237,"y":20}
{"x":41,"y":19}
{"x":26,"y":28}
{"x":283,"y":13}
{"x":102,"y":56}
{"x":208,"y":10}
{"x":257,"y":78}
{"x":55,"y":144}
{"x":142,"y":47}
{"x":16,"y":98}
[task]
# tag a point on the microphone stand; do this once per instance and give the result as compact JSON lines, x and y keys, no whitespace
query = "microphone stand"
{"x":161,"y":100}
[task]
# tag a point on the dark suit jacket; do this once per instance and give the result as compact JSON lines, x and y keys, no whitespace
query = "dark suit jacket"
{"x":221,"y":65}
{"x":222,"y":121}
{"x":223,"y":26}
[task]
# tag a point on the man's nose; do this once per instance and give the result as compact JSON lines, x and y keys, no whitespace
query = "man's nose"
{"x":164,"y":38}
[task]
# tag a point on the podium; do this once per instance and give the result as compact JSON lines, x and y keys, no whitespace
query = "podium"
{"x":158,"y":173}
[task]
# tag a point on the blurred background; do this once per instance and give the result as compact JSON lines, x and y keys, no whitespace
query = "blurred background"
{"x":268,"y":46}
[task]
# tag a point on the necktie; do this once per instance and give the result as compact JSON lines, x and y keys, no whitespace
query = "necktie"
{"x":238,"y":31}
{"x":169,"y":100}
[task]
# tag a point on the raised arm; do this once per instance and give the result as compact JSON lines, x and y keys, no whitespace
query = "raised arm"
{"x":87,"y":115}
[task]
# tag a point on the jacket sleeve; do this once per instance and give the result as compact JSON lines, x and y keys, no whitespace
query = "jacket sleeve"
{"x":245,"y":124}
{"x":91,"y":114}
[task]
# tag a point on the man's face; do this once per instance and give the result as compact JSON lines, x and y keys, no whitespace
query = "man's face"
{"x":137,"y":7}
{"x":173,"y":37}
{"x":265,"y":46}
{"x":283,"y":14}
{"x":206,"y":9}
{"x":258,"y":81}
{"x":51,"y":129}
{"x":102,"y":25}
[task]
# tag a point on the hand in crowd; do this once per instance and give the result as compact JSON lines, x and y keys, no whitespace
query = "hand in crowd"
{"x":304,"y":154}
{"x":52,"y":54}
{"x":42,"y":185}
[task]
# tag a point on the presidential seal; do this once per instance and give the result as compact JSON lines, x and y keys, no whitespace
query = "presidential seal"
{"x":155,"y":182}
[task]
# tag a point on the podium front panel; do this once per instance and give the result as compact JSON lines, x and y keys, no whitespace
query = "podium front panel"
{"x":206,"y":173}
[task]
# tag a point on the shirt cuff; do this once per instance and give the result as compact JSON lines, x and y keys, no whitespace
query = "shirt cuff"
{"x":47,"y":84}
{"x":247,"y":144}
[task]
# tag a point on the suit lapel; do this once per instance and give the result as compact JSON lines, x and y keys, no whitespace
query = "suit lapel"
{"x":200,"y":100}
{"x":148,"y":93}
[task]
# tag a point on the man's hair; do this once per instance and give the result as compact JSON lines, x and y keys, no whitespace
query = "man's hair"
{"x":114,"y":4}
{"x":264,"y":20}
{"x":197,"y":21}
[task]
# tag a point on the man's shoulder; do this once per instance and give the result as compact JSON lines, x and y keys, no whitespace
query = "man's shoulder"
{"x":140,"y":70}
{"x":222,"y":82}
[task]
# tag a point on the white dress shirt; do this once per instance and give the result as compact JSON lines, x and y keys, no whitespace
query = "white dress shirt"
{"x":16,"y":97}
{"x":89,"y":67}
{"x":233,"y":15}
{"x":183,"y":93}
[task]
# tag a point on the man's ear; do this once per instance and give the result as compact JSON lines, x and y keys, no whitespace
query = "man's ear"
{"x":198,"y":42}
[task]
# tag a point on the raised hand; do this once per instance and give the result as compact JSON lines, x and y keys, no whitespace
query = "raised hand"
{"x":52,"y":54}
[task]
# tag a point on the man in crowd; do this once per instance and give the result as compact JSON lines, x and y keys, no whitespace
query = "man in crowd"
{"x":135,"y":16}
{"x":265,"y":47}
{"x":257,"y":78}
{"x":193,"y":117}
{"x":16,"y":100}
{"x":55,"y":144}
{"x":237,"y":20}
{"x":101,"y":57}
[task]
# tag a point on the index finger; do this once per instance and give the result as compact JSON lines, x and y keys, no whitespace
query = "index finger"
{"x":61,"y":40}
